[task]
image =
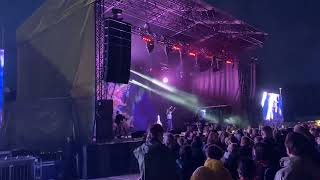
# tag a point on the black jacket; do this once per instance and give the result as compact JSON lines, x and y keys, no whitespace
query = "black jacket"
{"x":156,"y":161}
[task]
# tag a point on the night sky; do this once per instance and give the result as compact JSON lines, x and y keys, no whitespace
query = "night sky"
{"x":12,"y":14}
{"x":291,"y":54}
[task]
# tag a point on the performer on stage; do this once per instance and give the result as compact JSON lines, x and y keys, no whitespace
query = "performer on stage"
{"x":119,"y":120}
{"x":169,"y":117}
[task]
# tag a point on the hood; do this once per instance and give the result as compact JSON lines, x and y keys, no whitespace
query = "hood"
{"x":214,"y":164}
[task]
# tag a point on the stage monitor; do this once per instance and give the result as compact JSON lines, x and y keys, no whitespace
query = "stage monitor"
{"x":1,"y":83}
{"x":271,"y":104}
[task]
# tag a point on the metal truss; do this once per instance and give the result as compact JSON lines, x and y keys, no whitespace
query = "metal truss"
{"x":185,"y":20}
{"x":101,"y":93}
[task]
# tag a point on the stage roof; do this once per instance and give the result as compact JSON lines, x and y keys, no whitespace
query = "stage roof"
{"x":61,"y":36}
{"x":188,"y":21}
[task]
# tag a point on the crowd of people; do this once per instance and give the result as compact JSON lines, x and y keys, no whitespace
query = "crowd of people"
{"x":213,"y":152}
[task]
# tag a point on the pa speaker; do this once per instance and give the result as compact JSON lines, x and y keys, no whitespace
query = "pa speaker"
{"x":104,"y":121}
{"x":117,"y":51}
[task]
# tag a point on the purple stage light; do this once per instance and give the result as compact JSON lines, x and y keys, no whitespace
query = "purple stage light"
{"x":165,"y":80}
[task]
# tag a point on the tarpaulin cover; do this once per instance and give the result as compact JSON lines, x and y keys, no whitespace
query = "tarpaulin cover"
{"x":56,"y":68}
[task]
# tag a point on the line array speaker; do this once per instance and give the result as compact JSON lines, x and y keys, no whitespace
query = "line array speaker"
{"x":117,"y":53}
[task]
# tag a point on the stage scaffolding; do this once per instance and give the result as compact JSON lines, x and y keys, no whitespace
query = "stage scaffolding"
{"x":192,"y":23}
{"x":188,"y":21}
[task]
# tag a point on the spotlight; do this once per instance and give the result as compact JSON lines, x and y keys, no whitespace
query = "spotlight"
{"x":147,"y":38}
{"x":193,"y":54}
{"x":176,"y":47}
{"x":229,"y":61}
{"x":150,"y":42}
{"x":209,"y":56}
{"x":150,"y":46}
{"x":165,"y":80}
{"x":116,"y":13}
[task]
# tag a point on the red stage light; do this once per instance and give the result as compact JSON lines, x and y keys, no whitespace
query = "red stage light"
{"x":229,"y":61}
{"x":176,"y":47}
{"x":209,"y":56}
{"x":192,"y":54}
{"x":147,"y":38}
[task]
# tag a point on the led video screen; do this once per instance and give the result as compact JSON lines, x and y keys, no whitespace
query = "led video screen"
{"x":1,"y":83}
{"x":271,"y":104}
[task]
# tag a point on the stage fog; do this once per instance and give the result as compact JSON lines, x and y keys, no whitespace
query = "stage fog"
{"x":162,"y":78}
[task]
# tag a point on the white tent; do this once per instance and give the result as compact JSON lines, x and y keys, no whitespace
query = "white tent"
{"x":56,"y":76}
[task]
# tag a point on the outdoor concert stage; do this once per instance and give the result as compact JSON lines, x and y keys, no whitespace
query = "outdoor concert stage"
{"x":196,"y":59}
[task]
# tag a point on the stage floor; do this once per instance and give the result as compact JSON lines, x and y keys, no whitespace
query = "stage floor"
{"x":126,"y":177}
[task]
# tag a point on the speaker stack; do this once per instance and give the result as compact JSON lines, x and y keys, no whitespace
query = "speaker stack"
{"x":117,"y":47}
{"x":104,"y":126}
{"x":117,"y":62}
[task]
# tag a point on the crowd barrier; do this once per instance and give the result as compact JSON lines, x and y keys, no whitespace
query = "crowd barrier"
{"x":18,"y":168}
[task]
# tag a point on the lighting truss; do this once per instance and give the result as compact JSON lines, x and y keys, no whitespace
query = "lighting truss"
{"x":186,"y":21}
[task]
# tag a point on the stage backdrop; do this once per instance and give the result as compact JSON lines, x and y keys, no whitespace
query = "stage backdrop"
{"x":219,"y":87}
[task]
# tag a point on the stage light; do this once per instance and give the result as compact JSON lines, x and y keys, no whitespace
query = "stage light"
{"x":147,"y":38}
{"x":149,"y":42}
{"x":209,"y":57}
{"x":155,"y":81}
{"x":193,"y":54}
{"x":177,"y":98}
{"x":176,"y":47}
{"x":116,"y":13}
{"x":165,"y":80}
{"x":229,"y":61}
{"x":150,"y":46}
{"x":187,"y":97}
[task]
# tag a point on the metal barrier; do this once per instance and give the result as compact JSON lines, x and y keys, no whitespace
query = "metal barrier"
{"x":18,"y":168}
{"x":45,"y":170}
